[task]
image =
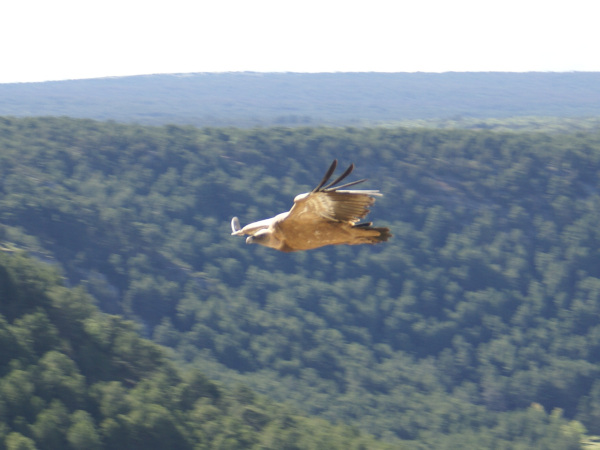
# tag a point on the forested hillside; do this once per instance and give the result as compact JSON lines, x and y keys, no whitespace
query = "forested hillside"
{"x":74,"y":378}
{"x":477,"y":325}
{"x":266,"y":99}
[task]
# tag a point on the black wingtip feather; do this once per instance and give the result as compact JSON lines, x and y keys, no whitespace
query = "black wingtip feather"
{"x":327,"y":175}
{"x":332,"y":186}
{"x":352,"y":183}
{"x":347,"y":172}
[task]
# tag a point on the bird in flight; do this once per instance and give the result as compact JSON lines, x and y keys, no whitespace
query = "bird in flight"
{"x":328,"y":215}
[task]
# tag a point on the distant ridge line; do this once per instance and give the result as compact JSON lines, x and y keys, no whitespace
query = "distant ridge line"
{"x":295,"y":98}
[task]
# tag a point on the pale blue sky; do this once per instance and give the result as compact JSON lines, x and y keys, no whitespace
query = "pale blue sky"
{"x":70,"y":39}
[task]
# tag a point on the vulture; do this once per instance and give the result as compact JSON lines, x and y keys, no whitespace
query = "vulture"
{"x":328,"y":215}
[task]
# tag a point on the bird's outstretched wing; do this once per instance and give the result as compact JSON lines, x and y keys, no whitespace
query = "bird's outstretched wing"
{"x":328,"y":202}
{"x":251,"y":228}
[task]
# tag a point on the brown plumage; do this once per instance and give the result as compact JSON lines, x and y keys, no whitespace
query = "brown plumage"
{"x":327,"y":215}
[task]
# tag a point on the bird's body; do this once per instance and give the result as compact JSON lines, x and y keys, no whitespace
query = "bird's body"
{"x":327,"y":215}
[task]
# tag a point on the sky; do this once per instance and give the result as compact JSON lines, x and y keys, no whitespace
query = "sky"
{"x":44,"y":40}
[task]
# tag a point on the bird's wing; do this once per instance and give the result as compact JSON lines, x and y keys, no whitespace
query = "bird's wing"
{"x":251,"y":228}
{"x":338,"y":206}
{"x":330,"y":203}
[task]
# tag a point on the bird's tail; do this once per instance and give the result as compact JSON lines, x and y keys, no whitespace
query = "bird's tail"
{"x":382,"y":235}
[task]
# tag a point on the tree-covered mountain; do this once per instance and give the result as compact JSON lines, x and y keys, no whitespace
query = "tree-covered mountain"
{"x":72,"y":377}
{"x":262,"y":99}
{"x":475,"y":326}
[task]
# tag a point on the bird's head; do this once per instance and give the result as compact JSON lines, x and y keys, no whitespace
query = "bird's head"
{"x":262,"y":237}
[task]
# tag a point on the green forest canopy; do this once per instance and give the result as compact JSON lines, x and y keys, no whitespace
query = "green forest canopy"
{"x":72,"y":377}
{"x":479,"y":315}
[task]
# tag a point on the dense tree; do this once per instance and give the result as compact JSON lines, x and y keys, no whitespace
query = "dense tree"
{"x":484,"y":303}
{"x":51,"y":398}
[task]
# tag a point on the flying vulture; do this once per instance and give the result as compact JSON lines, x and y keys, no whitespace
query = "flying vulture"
{"x":327,"y":215}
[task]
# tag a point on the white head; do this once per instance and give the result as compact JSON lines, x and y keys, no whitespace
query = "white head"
{"x":263,"y":237}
